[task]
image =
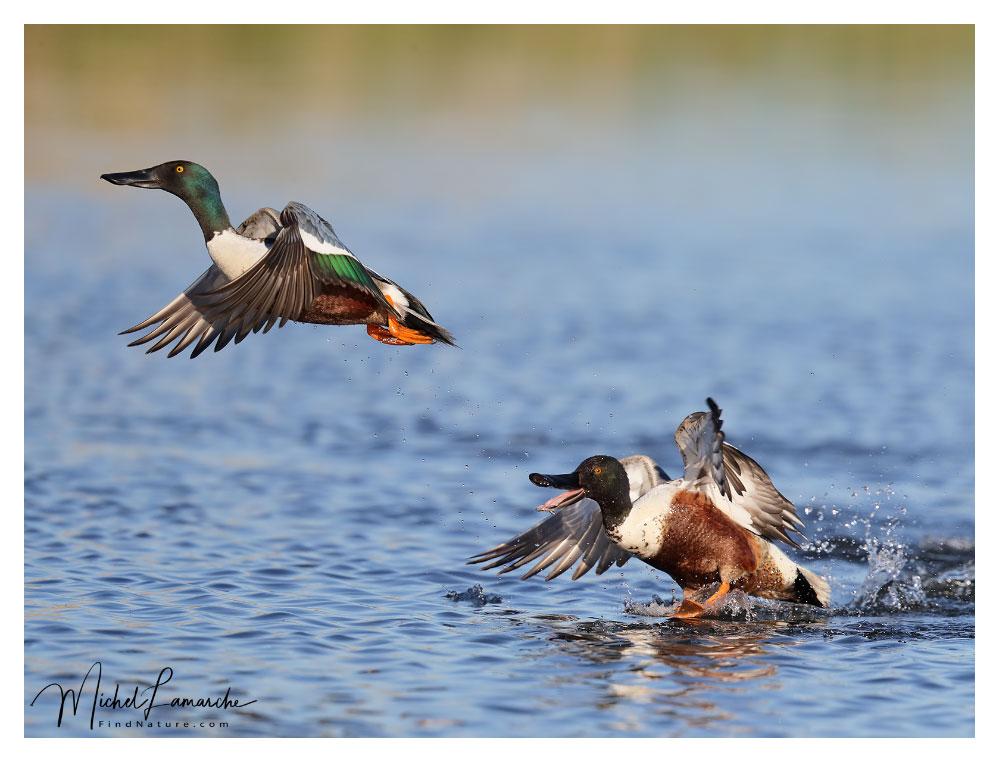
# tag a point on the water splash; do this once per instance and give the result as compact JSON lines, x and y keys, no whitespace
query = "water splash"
{"x":657,"y":607}
{"x":947,"y":565}
{"x":734,"y":606}
{"x":955,"y":584}
{"x":886,"y":587}
{"x":475,"y":595}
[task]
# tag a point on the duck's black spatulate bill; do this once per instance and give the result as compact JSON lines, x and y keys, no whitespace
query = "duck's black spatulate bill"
{"x":140,"y":178}
{"x":558,"y":481}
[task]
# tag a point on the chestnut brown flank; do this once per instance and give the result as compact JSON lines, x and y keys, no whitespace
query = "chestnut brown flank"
{"x":766,"y":581}
{"x":701,"y":545}
{"x":340,"y":305}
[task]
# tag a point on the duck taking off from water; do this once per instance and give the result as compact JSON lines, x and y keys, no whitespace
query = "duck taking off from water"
{"x":287,"y":266}
{"x":717,"y":524}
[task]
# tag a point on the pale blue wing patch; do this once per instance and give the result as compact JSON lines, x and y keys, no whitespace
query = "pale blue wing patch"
{"x":263,"y":225}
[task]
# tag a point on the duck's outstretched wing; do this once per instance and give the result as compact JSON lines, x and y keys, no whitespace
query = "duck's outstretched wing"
{"x":753,"y":501}
{"x":699,"y":437}
{"x":184,"y":321}
{"x":773,"y":514}
{"x":414,"y":314}
{"x":306,"y":256}
{"x":574,"y":532}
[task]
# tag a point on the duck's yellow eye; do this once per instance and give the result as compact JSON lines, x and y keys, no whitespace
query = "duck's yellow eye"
{"x":598,"y":470}
{"x":180,"y":168}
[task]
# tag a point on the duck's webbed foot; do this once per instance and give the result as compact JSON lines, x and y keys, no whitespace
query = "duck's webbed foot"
{"x":406,"y":335}
{"x":385,"y":336}
{"x":401,"y":333}
{"x":688,"y":609}
{"x":724,"y":588}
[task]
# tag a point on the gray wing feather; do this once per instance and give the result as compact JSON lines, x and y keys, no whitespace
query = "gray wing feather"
{"x":589,"y":558}
{"x":563,"y":548}
{"x":699,"y":437}
{"x":192,"y":317}
{"x":183,"y":320}
{"x":740,"y":478}
{"x":773,"y":514}
{"x":269,"y":291}
{"x":264,"y":225}
{"x":612,"y":555}
{"x":588,"y":547}
{"x":576,"y":530}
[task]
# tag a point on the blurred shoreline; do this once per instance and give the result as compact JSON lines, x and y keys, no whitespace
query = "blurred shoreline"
{"x":469,"y":82}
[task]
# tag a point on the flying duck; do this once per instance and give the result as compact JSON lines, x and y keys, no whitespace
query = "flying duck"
{"x":287,"y":266}
{"x":717,"y":524}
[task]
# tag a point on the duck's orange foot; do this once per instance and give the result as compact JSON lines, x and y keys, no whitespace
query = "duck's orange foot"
{"x":407,"y":335}
{"x":688,"y":609}
{"x":397,"y":333}
{"x":724,"y":588}
{"x":382,"y":334}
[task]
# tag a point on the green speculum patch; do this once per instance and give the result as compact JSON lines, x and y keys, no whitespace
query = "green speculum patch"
{"x":343,"y":266}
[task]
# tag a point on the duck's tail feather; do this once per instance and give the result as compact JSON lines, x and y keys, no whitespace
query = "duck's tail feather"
{"x":429,"y":327}
{"x":810,"y":588}
{"x":410,"y":311}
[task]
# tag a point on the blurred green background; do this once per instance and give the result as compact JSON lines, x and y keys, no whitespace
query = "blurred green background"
{"x":251,"y":89}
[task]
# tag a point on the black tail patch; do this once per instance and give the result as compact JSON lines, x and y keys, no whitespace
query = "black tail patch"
{"x":436,"y":332}
{"x":804,"y":592}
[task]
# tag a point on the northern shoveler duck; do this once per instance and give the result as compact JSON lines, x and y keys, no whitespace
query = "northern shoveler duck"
{"x":287,"y":266}
{"x":718,"y":524}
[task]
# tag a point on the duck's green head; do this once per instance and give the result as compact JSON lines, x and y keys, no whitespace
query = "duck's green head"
{"x":186,"y":180}
{"x":601,"y":478}
{"x":181,"y":178}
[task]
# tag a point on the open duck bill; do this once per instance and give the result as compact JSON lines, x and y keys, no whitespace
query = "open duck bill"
{"x":140,"y":178}
{"x":568,"y":482}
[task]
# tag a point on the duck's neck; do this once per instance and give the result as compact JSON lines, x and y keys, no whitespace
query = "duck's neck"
{"x":614,"y":507}
{"x":210,"y":212}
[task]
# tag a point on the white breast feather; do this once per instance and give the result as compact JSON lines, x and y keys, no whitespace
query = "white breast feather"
{"x":234,"y":254}
{"x":641,"y":532}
